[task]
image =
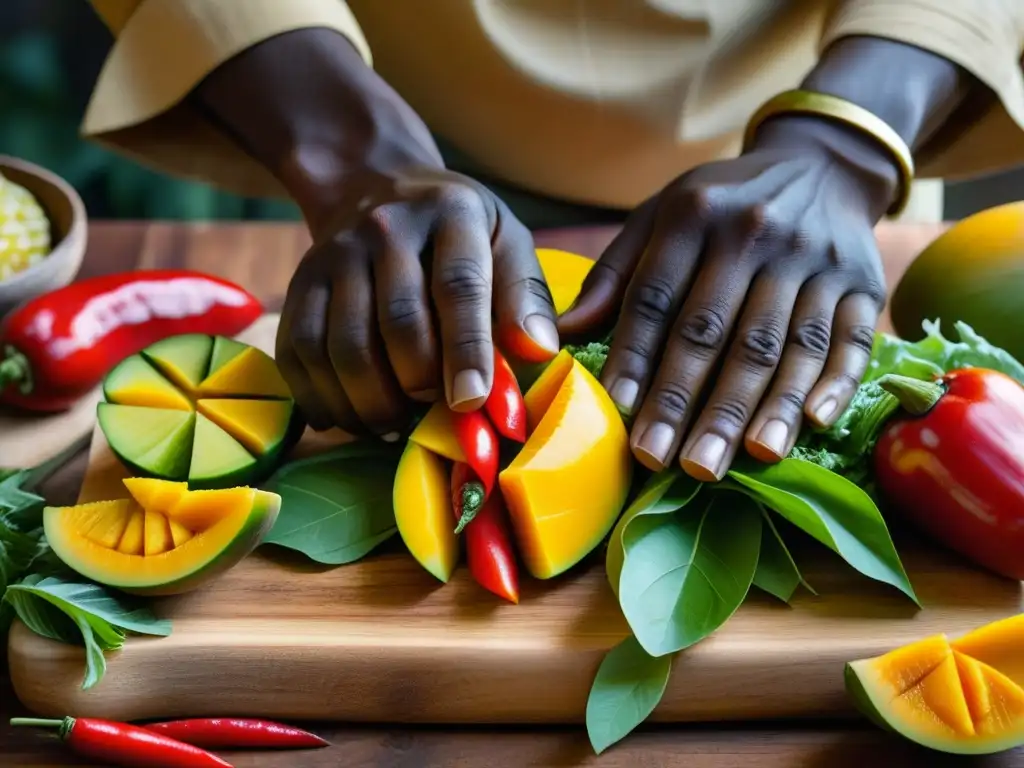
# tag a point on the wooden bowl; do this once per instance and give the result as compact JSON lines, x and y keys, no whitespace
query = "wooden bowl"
{"x":66,"y":213}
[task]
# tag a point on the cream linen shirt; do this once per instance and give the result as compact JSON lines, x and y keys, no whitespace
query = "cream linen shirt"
{"x":599,"y":102}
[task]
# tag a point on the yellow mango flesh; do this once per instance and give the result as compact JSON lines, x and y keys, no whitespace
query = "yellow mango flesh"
{"x":568,"y":484}
{"x":125,"y":544}
{"x":423,"y":510}
{"x":436,"y":433}
{"x":564,"y":273}
{"x":251,"y":372}
{"x":938,"y":695}
{"x":259,"y":425}
{"x":1000,"y":645}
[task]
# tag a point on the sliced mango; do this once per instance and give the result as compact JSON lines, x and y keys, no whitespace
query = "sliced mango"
{"x":135,"y":382}
{"x":999,"y":645}
{"x":423,"y":510}
{"x":246,"y":417}
{"x":251,"y":371}
{"x":569,"y":483}
{"x":183,"y":359}
{"x":436,"y":433}
{"x":259,"y":425}
{"x":938,"y":696}
{"x":201,"y":535}
{"x":564,"y":273}
{"x":158,"y":495}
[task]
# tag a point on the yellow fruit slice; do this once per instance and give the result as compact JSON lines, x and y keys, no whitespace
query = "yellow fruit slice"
{"x":200,"y":510}
{"x":104,"y":522}
{"x":996,"y":702}
{"x":564,"y":273}
{"x":183,"y":359}
{"x":133,"y":540}
{"x":157,"y":495}
{"x":158,"y":534}
{"x":135,"y":382}
{"x":251,"y":371}
{"x":569,"y":482}
{"x":1000,"y":645}
{"x":259,"y":425}
{"x":423,"y":510}
{"x":436,"y":433}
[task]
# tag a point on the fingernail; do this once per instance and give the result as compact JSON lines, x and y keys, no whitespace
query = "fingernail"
{"x":623,"y":393}
{"x":774,"y":435}
{"x":543,"y":332}
{"x":826,"y":410}
{"x":468,"y":385}
{"x":705,"y":458}
{"x":390,"y":437}
{"x":656,"y":442}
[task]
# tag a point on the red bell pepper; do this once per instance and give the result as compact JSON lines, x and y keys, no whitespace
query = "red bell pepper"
{"x":127,"y":745}
{"x":236,"y":733}
{"x":58,"y":347}
{"x":479,"y":442}
{"x":490,"y":553}
{"x":953,"y":464}
{"x":504,"y":405}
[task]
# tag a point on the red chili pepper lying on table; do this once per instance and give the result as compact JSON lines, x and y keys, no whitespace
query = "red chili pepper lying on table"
{"x":504,"y":405}
{"x":480,"y":444}
{"x":237,"y":733}
{"x":126,"y":745}
{"x":953,"y":464}
{"x":490,"y":554}
{"x":58,"y":347}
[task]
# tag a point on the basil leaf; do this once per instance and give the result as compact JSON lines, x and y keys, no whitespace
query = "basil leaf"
{"x":338,"y":506}
{"x":687,"y":572}
{"x":777,"y":572}
{"x":831,"y":509}
{"x":95,"y":658}
{"x":628,"y":686}
{"x":666,"y":492}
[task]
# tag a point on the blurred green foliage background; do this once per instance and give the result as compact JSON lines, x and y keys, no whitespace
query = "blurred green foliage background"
{"x":50,"y":54}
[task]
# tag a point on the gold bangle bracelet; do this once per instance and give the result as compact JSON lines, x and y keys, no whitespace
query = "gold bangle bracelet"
{"x":848,"y":113}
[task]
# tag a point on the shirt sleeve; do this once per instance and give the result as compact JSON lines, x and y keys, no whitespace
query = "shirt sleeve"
{"x":986,"y":38}
{"x":162,"y":50}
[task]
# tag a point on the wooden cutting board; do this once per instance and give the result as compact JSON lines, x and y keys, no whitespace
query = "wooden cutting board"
{"x":383,"y":641}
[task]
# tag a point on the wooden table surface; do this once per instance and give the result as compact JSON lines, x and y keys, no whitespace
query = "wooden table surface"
{"x":262,"y":258}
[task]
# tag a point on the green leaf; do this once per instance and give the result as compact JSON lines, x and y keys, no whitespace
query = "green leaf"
{"x":336,"y":507}
{"x":831,"y":509}
{"x":668,"y":491}
{"x":628,"y":686}
{"x":777,"y":572}
{"x":687,"y":572}
{"x":81,"y":613}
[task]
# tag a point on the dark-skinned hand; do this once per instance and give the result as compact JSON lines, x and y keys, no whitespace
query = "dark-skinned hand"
{"x":747,"y":293}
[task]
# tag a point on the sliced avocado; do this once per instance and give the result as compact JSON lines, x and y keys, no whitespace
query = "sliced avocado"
{"x":224,"y":349}
{"x":218,"y":460}
{"x":184,"y":359}
{"x":252,"y":373}
{"x":145,"y":438}
{"x":135,"y":382}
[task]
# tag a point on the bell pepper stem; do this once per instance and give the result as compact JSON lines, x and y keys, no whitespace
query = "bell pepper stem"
{"x":917,"y":397}
{"x":472,"y":501}
{"x":15,"y":369}
{"x":63,"y":725}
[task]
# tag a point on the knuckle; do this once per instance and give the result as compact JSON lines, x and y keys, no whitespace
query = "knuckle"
{"x":813,"y":335}
{"x":703,"y":330}
{"x":672,"y":399}
{"x":306,"y":341}
{"x":460,"y":201}
{"x":380,"y":222}
{"x":349,"y":347}
{"x":699,"y":202}
{"x":470,"y":341}
{"x":536,"y":287}
{"x":463,"y":278}
{"x":404,"y":315}
{"x":861,"y":336}
{"x":652,"y":301}
{"x":730,"y":412}
{"x":792,"y":400}
{"x":761,"y":346}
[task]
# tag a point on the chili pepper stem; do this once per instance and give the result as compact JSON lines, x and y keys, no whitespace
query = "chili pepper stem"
{"x":917,"y":397}
{"x":472,"y":501}
{"x":15,"y":369}
{"x":64,"y":725}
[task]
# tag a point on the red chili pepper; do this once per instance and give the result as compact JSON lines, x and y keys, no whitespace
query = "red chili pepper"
{"x":953,"y":465}
{"x":59,"y":346}
{"x":126,"y":745}
{"x":480,"y":444}
{"x":236,"y":733}
{"x":505,"y":405}
{"x":490,"y":554}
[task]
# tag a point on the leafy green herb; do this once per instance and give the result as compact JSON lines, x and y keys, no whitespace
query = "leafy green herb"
{"x":628,"y":686}
{"x":777,"y":572}
{"x":591,"y":356}
{"x":687,"y":572}
{"x":831,"y":509}
{"x":666,"y":492}
{"x":81,"y":613}
{"x":336,"y":507}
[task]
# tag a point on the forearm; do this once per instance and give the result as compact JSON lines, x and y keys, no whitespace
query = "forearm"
{"x":307,"y":107}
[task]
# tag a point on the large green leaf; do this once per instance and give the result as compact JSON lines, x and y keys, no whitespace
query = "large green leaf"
{"x":336,"y":507}
{"x":666,"y":492}
{"x":777,"y":572}
{"x":687,"y":572}
{"x":831,"y":509}
{"x":628,"y":686}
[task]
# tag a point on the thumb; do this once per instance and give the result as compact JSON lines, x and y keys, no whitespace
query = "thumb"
{"x":603,"y":289}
